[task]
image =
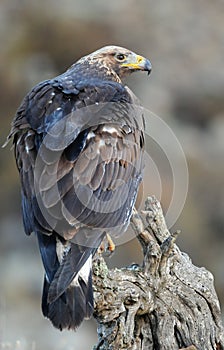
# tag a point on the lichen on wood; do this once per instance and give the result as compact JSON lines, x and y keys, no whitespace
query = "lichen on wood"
{"x":167,"y":303}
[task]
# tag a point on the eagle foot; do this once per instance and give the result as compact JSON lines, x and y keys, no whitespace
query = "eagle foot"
{"x":107,"y":246}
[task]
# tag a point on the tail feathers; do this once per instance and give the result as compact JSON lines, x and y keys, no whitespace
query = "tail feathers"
{"x":76,"y":261}
{"x":70,"y":309}
{"x":67,"y":293}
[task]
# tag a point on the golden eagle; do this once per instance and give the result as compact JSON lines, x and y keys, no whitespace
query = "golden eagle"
{"x":79,"y":142}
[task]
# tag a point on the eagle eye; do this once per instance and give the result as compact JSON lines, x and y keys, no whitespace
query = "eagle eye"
{"x":120,"y":57}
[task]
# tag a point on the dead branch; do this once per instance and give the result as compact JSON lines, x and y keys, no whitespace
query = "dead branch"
{"x":167,"y":303}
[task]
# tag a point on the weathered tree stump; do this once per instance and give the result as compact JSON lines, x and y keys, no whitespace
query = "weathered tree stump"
{"x":167,"y":303}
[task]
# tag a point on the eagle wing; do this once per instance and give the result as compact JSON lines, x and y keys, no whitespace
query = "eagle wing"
{"x":79,"y":156}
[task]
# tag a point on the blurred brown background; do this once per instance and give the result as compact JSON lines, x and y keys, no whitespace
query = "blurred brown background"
{"x":185,"y":43}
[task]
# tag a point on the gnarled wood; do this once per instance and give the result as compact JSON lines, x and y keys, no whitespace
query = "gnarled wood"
{"x":167,"y":303}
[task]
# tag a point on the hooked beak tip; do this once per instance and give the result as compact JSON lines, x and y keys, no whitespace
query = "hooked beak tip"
{"x":148,"y":66}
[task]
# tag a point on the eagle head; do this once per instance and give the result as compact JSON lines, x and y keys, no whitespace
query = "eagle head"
{"x":118,"y":60}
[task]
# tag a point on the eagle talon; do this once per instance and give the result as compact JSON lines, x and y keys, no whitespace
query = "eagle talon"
{"x":111,"y":246}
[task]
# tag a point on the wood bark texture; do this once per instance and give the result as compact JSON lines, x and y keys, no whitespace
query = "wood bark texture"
{"x":167,"y":303}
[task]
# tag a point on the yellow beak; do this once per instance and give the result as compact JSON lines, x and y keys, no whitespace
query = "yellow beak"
{"x":137,"y":62}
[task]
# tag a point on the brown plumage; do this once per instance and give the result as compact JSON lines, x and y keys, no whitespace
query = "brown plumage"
{"x":79,"y":141}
